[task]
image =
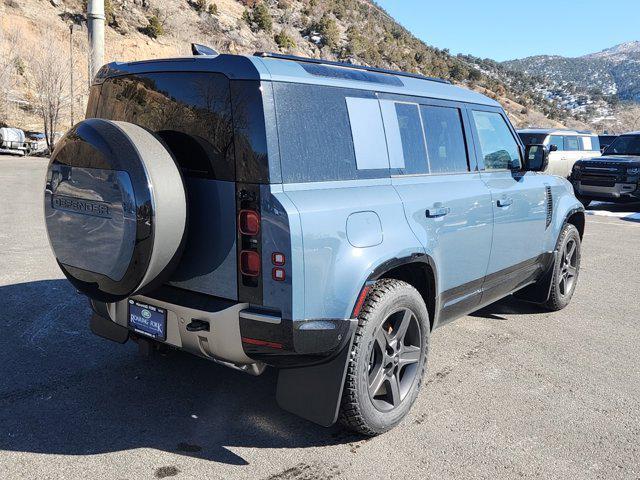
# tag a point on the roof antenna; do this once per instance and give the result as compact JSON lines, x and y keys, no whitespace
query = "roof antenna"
{"x":197,"y":49}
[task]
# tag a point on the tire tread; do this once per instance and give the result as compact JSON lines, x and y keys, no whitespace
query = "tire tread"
{"x":350,"y":415}
{"x":555,"y":302}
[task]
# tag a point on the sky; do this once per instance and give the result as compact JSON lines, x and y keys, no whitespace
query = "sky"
{"x":504,"y":30}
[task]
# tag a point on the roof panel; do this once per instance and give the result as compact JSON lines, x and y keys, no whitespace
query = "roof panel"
{"x":240,"y":67}
{"x":280,"y":70}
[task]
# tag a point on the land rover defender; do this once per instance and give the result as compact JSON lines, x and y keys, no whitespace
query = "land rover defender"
{"x":316,"y":217}
{"x":614,"y":177}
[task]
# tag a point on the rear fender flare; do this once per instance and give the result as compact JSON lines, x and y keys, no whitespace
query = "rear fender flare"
{"x":417,"y":257}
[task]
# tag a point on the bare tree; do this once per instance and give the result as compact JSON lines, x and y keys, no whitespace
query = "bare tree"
{"x":629,"y":118}
{"x":8,"y":69}
{"x":49,"y":76}
{"x":625,"y":118}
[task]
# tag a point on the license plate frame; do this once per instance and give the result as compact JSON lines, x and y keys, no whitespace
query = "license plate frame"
{"x":151,"y":324}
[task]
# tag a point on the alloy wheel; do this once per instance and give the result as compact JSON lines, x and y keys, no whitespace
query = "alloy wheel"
{"x":394,"y":359}
{"x":568,"y":268}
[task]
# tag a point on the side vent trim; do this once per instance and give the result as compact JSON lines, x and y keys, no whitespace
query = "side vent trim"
{"x":549,"y":197}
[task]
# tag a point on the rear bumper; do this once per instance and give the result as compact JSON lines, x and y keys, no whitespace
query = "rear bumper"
{"x":294,"y":343}
{"x":238,"y":335}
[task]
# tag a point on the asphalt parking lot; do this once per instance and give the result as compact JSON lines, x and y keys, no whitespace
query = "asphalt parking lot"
{"x":512,"y":392}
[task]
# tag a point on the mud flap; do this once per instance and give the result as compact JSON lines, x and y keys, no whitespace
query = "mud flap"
{"x":105,"y":328}
{"x":540,"y":291}
{"x":314,"y":392}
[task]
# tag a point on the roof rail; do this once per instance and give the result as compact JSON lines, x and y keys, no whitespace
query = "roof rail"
{"x":296,"y":58}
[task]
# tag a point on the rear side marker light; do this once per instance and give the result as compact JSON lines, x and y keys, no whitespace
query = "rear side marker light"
{"x":249,"y":222}
{"x":262,"y":343}
{"x":278,"y":274}
{"x":278,"y":259}
{"x":361,"y":298}
{"x":249,"y":263}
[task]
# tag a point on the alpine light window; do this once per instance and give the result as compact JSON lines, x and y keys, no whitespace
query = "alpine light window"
{"x":368,"y":133}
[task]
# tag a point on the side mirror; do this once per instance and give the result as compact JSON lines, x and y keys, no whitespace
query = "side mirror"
{"x":536,"y":158}
{"x":553,"y":148}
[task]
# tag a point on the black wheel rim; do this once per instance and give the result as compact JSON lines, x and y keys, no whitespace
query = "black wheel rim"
{"x":568,"y":268}
{"x":394,"y":360}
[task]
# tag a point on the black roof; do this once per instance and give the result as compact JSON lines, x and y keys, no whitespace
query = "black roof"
{"x":296,"y":58}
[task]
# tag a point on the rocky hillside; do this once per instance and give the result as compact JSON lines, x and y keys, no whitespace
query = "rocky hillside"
{"x":355,"y":31}
{"x":615,"y":71}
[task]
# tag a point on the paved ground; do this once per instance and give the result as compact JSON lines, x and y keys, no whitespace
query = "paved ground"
{"x":511,"y":391}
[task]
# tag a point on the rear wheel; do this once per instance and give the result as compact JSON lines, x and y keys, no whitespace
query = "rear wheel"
{"x":565,"y":269}
{"x":388,"y":359}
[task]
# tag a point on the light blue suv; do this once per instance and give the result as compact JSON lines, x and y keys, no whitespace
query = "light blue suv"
{"x":317,"y":217}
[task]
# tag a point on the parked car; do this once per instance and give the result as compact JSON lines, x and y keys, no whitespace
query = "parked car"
{"x":615,"y":177}
{"x":606,"y":140}
{"x":567,"y":147}
{"x":13,"y":141}
{"x":36,"y":142}
{"x":316,"y":217}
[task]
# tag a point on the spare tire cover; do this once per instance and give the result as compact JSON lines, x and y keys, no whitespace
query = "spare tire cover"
{"x":115,"y":209}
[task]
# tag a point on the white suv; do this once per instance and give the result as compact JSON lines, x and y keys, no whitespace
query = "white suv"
{"x":567,"y":147}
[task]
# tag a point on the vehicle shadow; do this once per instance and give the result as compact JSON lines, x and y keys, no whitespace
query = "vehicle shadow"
{"x":65,"y":391}
{"x":614,"y":207}
{"x":507,"y":306}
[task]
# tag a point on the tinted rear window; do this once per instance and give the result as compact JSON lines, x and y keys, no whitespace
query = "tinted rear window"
{"x":316,"y":137}
{"x":190,"y":111}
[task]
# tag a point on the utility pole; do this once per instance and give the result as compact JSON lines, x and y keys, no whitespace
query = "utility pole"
{"x":72,"y":27}
{"x":95,"y":22}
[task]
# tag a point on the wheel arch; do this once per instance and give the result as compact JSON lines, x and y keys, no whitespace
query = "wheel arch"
{"x":418,"y":270}
{"x":576,"y":218}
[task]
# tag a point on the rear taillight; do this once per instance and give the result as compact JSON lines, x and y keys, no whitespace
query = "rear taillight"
{"x":249,"y":231}
{"x":250,"y":263}
{"x":249,"y":222}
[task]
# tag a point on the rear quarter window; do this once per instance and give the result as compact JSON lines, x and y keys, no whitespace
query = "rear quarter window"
{"x":316,"y":136}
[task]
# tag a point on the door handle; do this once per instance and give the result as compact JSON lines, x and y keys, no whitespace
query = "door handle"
{"x":436,"y":212}
{"x":505,"y":202}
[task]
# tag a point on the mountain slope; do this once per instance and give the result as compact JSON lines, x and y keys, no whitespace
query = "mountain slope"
{"x":614,"y":71}
{"x":355,"y":31}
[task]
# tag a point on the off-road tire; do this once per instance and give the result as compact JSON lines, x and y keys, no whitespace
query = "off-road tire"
{"x":357,"y":410}
{"x":557,"y":299}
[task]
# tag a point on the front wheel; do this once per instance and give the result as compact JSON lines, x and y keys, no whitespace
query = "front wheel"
{"x":565,"y":269}
{"x":388,"y":358}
